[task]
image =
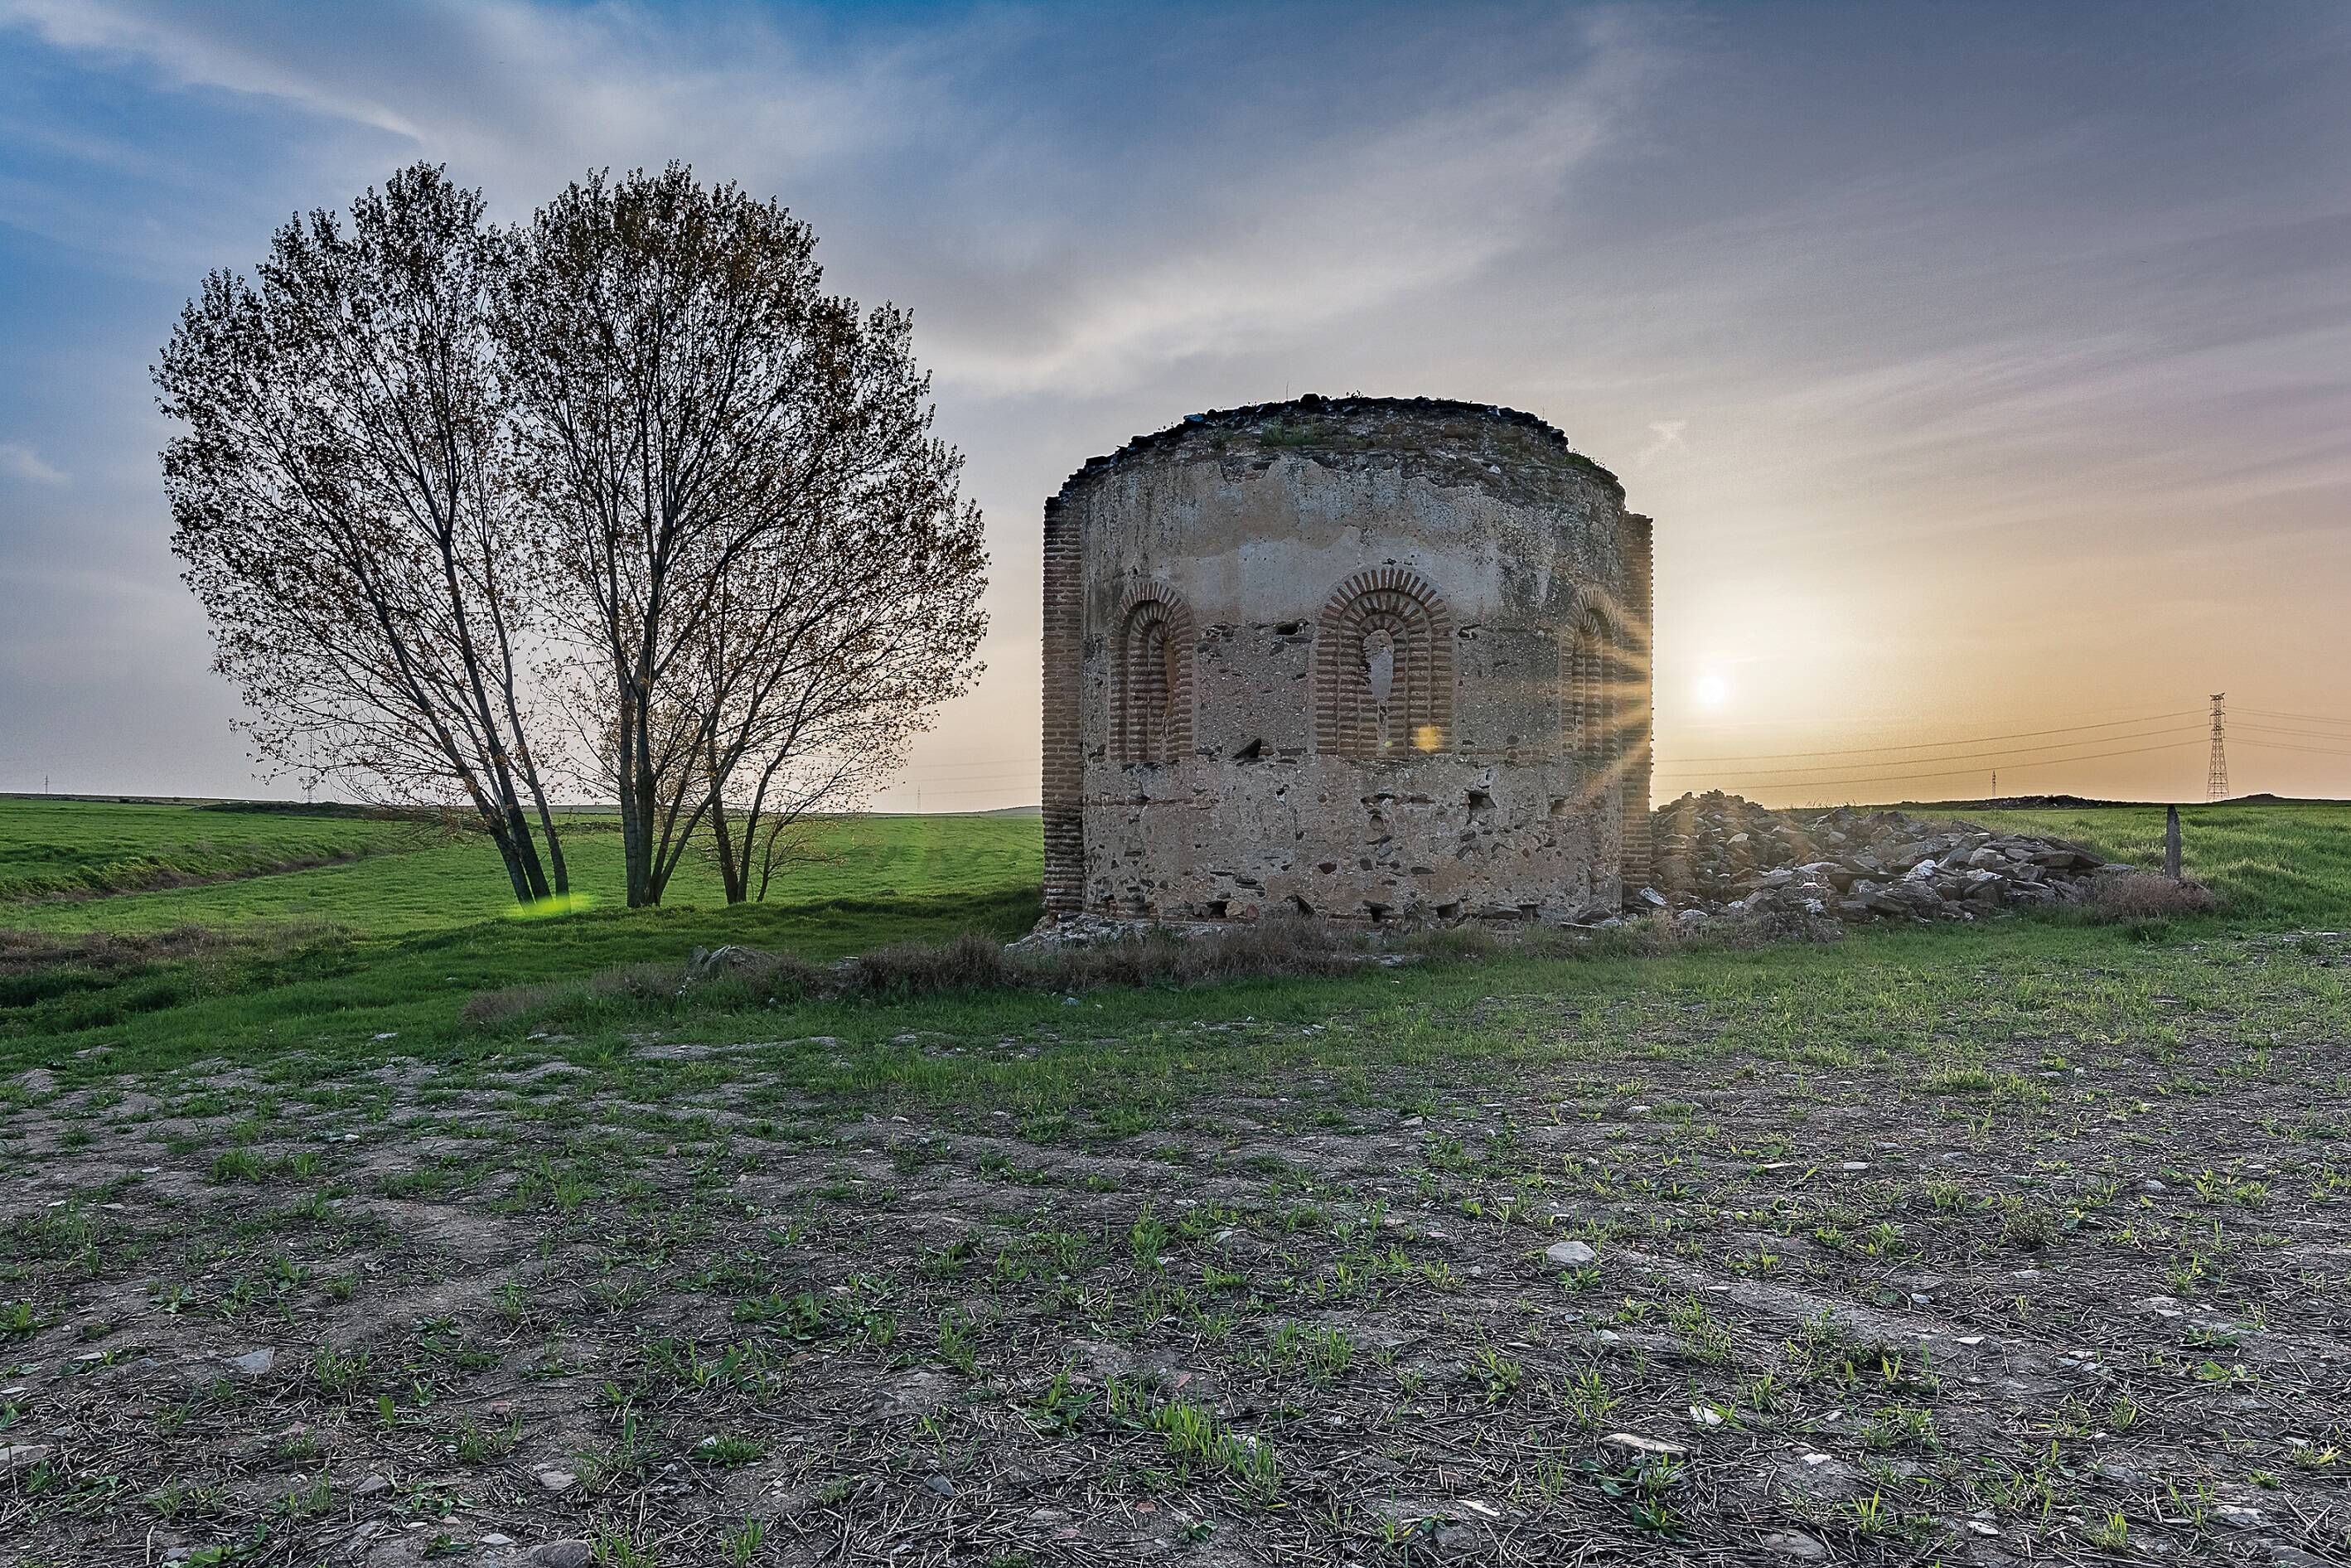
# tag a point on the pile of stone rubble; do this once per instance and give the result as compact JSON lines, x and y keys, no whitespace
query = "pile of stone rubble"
{"x":1721,"y":854}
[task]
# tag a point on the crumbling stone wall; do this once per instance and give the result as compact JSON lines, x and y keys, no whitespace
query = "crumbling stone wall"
{"x":1373,"y":658}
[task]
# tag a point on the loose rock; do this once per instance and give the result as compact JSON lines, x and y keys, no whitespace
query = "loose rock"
{"x":1721,"y":854}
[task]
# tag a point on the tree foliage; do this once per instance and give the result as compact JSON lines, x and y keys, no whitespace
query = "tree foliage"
{"x":625,"y":467}
{"x":741,"y":494}
{"x":347,"y":516}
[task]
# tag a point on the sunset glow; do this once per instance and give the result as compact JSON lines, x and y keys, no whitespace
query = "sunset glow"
{"x":1984,"y":374}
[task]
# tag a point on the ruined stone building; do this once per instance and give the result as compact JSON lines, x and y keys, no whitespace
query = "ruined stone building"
{"x":1373,"y":658}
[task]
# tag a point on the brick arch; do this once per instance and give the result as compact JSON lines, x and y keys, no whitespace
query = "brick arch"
{"x":1389,"y":623}
{"x":1608,"y":697}
{"x":1153,"y":689}
{"x":1591,"y":697}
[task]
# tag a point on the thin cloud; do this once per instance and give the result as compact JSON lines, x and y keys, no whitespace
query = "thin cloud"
{"x":1083,"y":261}
{"x":1667,"y":437}
{"x":187,"y":55}
{"x":19,"y":461}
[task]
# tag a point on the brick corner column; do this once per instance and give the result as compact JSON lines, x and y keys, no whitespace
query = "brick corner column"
{"x":1640,"y":606}
{"x":1064,"y":760}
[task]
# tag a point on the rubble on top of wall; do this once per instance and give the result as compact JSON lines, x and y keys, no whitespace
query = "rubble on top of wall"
{"x":1320,"y":429}
{"x":1722,"y":854}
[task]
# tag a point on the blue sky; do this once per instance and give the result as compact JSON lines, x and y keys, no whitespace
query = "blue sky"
{"x":1986,"y":368}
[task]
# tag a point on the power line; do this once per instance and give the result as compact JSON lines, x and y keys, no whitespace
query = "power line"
{"x":2300,"y":717}
{"x":997,"y":777}
{"x":1982,"y":758}
{"x":1009,"y":764}
{"x":2281,"y":729}
{"x":963,"y":794}
{"x":1931,"y":744}
{"x":1016,"y":764}
{"x":2281,"y":746}
{"x":1966,"y":772}
{"x":981,"y":775}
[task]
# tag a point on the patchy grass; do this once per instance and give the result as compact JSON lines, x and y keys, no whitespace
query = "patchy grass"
{"x":738,"y":979}
{"x":2034,"y":1227}
{"x":264,"y":993}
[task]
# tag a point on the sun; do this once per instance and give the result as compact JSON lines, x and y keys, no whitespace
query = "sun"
{"x":1713,"y":691}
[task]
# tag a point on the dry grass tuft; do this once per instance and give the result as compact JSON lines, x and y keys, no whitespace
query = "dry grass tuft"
{"x":970,"y":962}
{"x":1275,"y":947}
{"x":748,"y":979}
{"x":105,"y":952}
{"x":738,"y":978}
{"x":2145,"y":895}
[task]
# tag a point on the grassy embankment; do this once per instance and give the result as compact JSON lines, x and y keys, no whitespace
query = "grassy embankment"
{"x":79,"y":849}
{"x":397,"y":941}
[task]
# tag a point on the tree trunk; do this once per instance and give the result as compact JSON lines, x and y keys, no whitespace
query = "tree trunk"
{"x":526,"y":849}
{"x":635,"y":792}
{"x":558,"y":876}
{"x":733,"y":869}
{"x":501,"y":835}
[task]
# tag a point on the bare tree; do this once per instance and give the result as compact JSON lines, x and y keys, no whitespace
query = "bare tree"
{"x":738,"y":485}
{"x":846,"y":623}
{"x":347,"y":520}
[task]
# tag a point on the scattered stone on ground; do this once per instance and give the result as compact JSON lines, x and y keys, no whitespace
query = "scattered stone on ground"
{"x":730,"y":958}
{"x":1056,"y":932}
{"x":1965,"y":1290}
{"x":1795,"y":874}
{"x":1720,"y":854}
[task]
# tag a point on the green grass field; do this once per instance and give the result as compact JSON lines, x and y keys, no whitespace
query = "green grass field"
{"x":81,"y":848}
{"x":2019,"y":1240}
{"x":416,"y":879}
{"x":397,"y":941}
{"x":2275,"y":866}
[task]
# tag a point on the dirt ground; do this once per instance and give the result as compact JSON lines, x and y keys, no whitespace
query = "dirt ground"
{"x":1671,"y":1306}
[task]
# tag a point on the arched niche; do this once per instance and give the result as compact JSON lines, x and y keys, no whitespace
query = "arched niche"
{"x":1153,"y":685}
{"x":1384,"y":668}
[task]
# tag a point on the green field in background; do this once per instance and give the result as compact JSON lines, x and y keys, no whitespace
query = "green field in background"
{"x":87,"y":847}
{"x":415,"y":878}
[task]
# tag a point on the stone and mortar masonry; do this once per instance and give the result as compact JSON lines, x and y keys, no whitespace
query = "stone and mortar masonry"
{"x":1389,"y":522}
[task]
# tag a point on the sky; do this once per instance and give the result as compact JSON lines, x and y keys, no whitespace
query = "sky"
{"x":1986,"y":368}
